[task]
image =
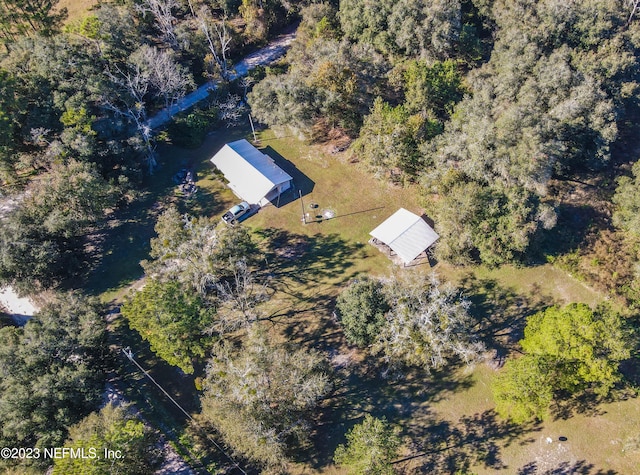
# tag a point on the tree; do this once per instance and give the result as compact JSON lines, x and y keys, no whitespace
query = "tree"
{"x":432,"y":89}
{"x":567,"y":350}
{"x":41,"y":239}
{"x":196,"y":253}
{"x":389,"y":141}
{"x":524,"y":390}
{"x":53,"y":372}
{"x":168,"y":79}
{"x":260,"y":397}
{"x":428,"y":324}
{"x":172,"y":320}
{"x":627,"y":200}
{"x":162,"y":11}
{"x":362,"y":309}
{"x":20,"y":17}
{"x":218,"y":39}
{"x":112,"y":428}
{"x":371,"y":447}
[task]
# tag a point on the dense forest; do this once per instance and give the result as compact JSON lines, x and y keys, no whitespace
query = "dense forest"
{"x":491,"y":109}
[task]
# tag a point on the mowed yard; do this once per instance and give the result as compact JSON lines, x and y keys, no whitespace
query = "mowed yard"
{"x":447,"y":419}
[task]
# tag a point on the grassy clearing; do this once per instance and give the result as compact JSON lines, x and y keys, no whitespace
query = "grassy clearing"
{"x":76,"y":8}
{"x":448,"y":417}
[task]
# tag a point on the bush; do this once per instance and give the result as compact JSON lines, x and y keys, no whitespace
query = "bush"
{"x":362,"y":308}
{"x":190,"y":130}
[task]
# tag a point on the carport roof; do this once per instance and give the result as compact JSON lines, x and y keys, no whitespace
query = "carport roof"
{"x":406,"y":233}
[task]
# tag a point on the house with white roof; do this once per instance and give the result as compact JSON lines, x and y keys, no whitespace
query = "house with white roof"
{"x":252,"y":175}
{"x":406,"y":234}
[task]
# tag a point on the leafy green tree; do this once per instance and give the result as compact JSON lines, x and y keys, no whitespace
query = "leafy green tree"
{"x":172,"y":320}
{"x":569,"y":349}
{"x":389,"y":141}
{"x":330,"y":84}
{"x":41,"y":239}
{"x":260,"y":397}
{"x":8,"y":113}
{"x":428,"y":324}
{"x":115,"y":429}
{"x":524,"y":390}
{"x":362,"y":309}
{"x":371,"y":448}
{"x":627,"y":199}
{"x":409,"y":27}
{"x":53,"y":371}
{"x":434,"y":88}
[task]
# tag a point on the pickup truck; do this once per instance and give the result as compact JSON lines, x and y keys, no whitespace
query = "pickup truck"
{"x":236,"y":212}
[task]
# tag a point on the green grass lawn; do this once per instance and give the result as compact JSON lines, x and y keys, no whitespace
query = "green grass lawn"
{"x":448,"y":417}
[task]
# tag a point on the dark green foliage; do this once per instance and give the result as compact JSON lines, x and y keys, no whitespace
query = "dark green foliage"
{"x":567,"y":350}
{"x":172,"y":320}
{"x":196,"y":252}
{"x":8,"y":115}
{"x":52,"y":372}
{"x":627,"y":199}
{"x":542,"y":106}
{"x":389,"y":141}
{"x":114,"y":429}
{"x":408,"y":27}
{"x":261,"y":397}
{"x":189,"y":130}
{"x":329,"y":84}
{"x":371,"y":448}
{"x":432,"y":89}
{"x":362,"y":308}
{"x":480,"y":223}
{"x":40,"y":240}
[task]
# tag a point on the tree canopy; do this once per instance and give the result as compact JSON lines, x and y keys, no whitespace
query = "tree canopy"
{"x":371,"y":447}
{"x":569,"y":349}
{"x":112,"y":428}
{"x":410,"y":320}
{"x":261,"y":397}
{"x":53,"y":371}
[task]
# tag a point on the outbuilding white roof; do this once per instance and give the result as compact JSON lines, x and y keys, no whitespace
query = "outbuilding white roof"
{"x":406,"y":233}
{"x":251,"y":173}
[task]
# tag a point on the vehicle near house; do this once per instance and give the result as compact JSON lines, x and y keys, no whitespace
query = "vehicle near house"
{"x":239,"y":210}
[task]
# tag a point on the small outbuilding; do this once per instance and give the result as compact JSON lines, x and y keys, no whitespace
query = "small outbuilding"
{"x":406,"y":234}
{"x":253,"y":176}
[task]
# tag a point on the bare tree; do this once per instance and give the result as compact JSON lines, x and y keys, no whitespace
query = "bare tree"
{"x":240,"y":298}
{"x":633,"y":5}
{"x":231,"y":110}
{"x":168,"y":79}
{"x":428,"y":323}
{"x":162,"y":11}
{"x":218,"y":38}
{"x":133,"y":84}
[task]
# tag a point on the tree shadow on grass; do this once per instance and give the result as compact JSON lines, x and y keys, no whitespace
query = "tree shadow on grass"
{"x":445,"y":447}
{"x":308,"y":260}
{"x":501,"y":314}
{"x":573,"y":224}
{"x":581,"y":467}
{"x":361,"y":390}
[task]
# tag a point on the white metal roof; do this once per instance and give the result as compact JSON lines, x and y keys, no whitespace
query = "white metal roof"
{"x":251,"y":173}
{"x":406,"y":233}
